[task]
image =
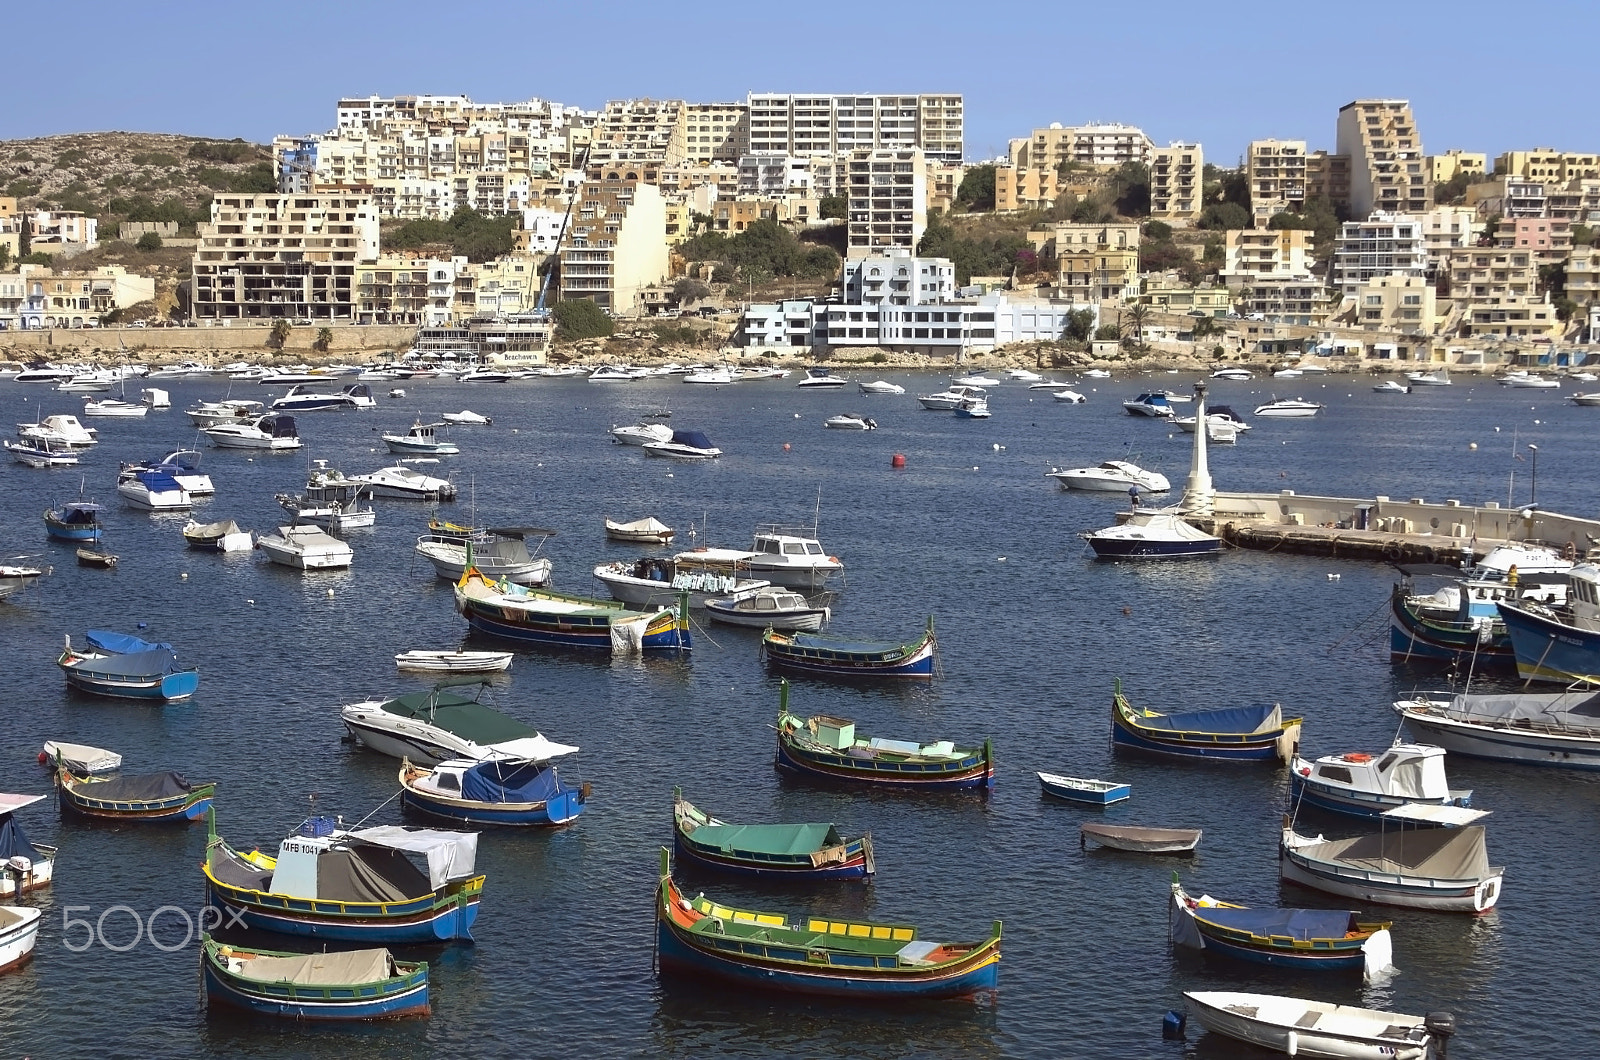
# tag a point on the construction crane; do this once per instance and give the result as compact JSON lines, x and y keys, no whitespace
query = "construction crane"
{"x":539,"y":309}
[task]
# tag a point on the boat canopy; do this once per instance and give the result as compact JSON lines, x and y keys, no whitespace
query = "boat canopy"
{"x":461,"y":715}
{"x":346,"y":968}
{"x":78,"y":512}
{"x":209,"y":530}
{"x":1565,"y":710}
{"x":696,"y":439}
{"x":158,"y":481}
{"x":279,"y":426}
{"x":122,"y":643}
{"x":1300,"y":924}
{"x":151,"y":663}
{"x":451,"y":855}
{"x":1247,"y":720}
{"x":1432,"y":814}
{"x":151,"y":788}
{"x":767,"y":838}
{"x":14,"y":843}
{"x":510,"y":780}
{"x":1430,"y":853}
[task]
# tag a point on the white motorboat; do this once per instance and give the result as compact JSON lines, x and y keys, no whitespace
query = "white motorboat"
{"x":112,"y":407}
{"x":1367,"y":785}
{"x":292,"y":376}
{"x":1439,"y":377}
{"x":1389,"y":386}
{"x":330,"y":500}
{"x":881,"y":387}
{"x":649,"y":531}
{"x":712,"y":376}
{"x":221,"y":536}
{"x":1586,"y":399}
{"x":1238,"y":375}
{"x":1583,"y":377}
{"x":1215,"y":414}
{"x":1153,"y":533}
{"x":947,"y":400}
{"x":704,"y":574}
{"x":442,"y":724}
{"x":684,"y":445}
{"x":41,"y":452}
{"x":81,"y":759}
{"x":183,"y":465}
{"x":59,"y":427}
{"x":1312,"y":369}
{"x":154,"y":491}
{"x":155,"y":398}
{"x":420,"y":440}
{"x":768,"y":609}
{"x":302,"y":398}
{"x":406,"y":483}
{"x":453,"y":662}
{"x":1156,"y":404}
{"x":500,"y":554}
{"x":1557,"y":729}
{"x":49,"y":373}
{"x":612,"y":373}
{"x":820,"y":378}
{"x":466,"y":416}
{"x":792,"y":558}
{"x":1023,"y":375}
{"x":21,"y":873}
{"x":305,"y":548}
{"x":1050,"y":384}
{"x":976,"y":379}
{"x":183,"y":370}
{"x":1071,"y":397}
{"x":974,"y":409}
{"x":1525,"y":380}
{"x":19,"y":932}
{"x":210,"y":413}
{"x":1524,"y":557}
{"x":1289,"y":408}
{"x":276,"y":433}
{"x":483,"y":374}
{"x":1443,"y":869}
{"x":87,"y":383}
{"x":1097,"y":373}
{"x":1319,"y":1029}
{"x":1287,"y":373}
{"x":642,"y":433}
{"x":1117,"y":476}
{"x":561,"y":371}
{"x":14,"y":579}
{"x":851,"y":421}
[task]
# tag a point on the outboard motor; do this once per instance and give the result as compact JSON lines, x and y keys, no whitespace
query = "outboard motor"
{"x":19,"y":870}
{"x":1442,"y":1025}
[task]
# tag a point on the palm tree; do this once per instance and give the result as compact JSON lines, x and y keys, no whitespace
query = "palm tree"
{"x":1138,"y":315}
{"x":324,"y":340}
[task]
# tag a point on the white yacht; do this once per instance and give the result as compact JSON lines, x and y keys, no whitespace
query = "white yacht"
{"x":1023,"y":375}
{"x":1525,"y":380}
{"x":61,"y":428}
{"x":1441,"y":377}
{"x":330,"y":500}
{"x":1117,"y":476}
{"x":1289,"y":408}
{"x":420,"y":440}
{"x":791,"y":559}
{"x":305,"y":548}
{"x":233,"y":410}
{"x":406,"y":483}
{"x":264,"y":432}
{"x":820,"y":378}
{"x":641,"y":433}
{"x":712,"y":376}
{"x":183,"y":465}
{"x":612,"y":373}
{"x":154,"y":491}
{"x":1238,"y":375}
{"x":50,"y":373}
{"x":497,"y":554}
{"x":976,"y":379}
{"x":881,"y":387}
{"x":947,"y":400}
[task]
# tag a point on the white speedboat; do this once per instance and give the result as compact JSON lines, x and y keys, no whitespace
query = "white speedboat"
{"x":1287,"y":373}
{"x":303,"y":398}
{"x":181,"y":464}
{"x":497,"y":554}
{"x":1291,"y":408}
{"x":210,"y":413}
{"x":1023,"y":375}
{"x":305,"y":548}
{"x":1238,"y":375}
{"x":1071,"y":397}
{"x":482,"y":374}
{"x":1097,"y":373}
{"x":1524,"y":380}
{"x":704,"y":574}
{"x":1050,"y":384}
{"x":1153,"y":533}
{"x":291,"y":376}
{"x":758,"y":372}
{"x":49,"y":373}
{"x":60,"y":427}
{"x":684,"y":445}
{"x":768,"y":609}
{"x":947,"y":400}
{"x":561,"y":371}
{"x":976,"y":379}
{"x":641,"y":433}
{"x":87,"y":383}
{"x":14,"y":579}
{"x":791,"y":558}
{"x":1319,"y":1029}
{"x":1214,"y":414}
{"x":453,"y":662}
{"x":183,"y":370}
{"x":420,"y":440}
{"x":820,"y":378}
{"x":1441,"y":377}
{"x":1389,"y":386}
{"x":112,"y":407}
{"x":41,"y":452}
{"x":1156,"y":404}
{"x":443,"y":723}
{"x":1586,"y":399}
{"x":851,"y":421}
{"x":276,"y":433}
{"x":330,"y":500}
{"x":973,"y":409}
{"x":880,"y":387}
{"x":612,"y":373}
{"x":406,"y":483}
{"x":1117,"y":476}
{"x":466,"y":416}
{"x":154,"y":491}
{"x":712,"y":376}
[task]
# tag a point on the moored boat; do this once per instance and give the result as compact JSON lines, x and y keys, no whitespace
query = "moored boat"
{"x":1153,"y":533}
{"x":420,"y":660}
{"x":946,"y":400}
{"x":768,"y":851}
{"x":1319,"y":1029}
{"x":1289,"y":408}
{"x":1233,"y":734}
{"x":500,"y":554}
{"x":443,"y":724}
{"x":41,"y":452}
{"x":276,"y":433}
{"x":88,"y":557}
{"x":1559,"y":644}
{"x":768,"y":608}
{"x":153,"y":798}
{"x":1443,"y":869}
{"x":154,"y":491}
{"x":24,"y":865}
{"x":305,"y":548}
{"x":1112,"y":476}
{"x":126,"y":667}
{"x":80,"y":758}
{"x":420,"y":440}
{"x":1079,"y":789}
{"x":881,"y":387}
{"x":1558,"y":729}
{"x":77,"y":521}
{"x":1301,"y":939}
{"x":510,"y":792}
{"x":820,"y":653}
{"x":684,"y":445}
{"x":1136,"y":839}
{"x":330,"y":986}
{"x":221,"y":536}
{"x":1156,"y":405}
{"x":704,"y":574}
{"x":819,"y":377}
{"x":828,"y":748}
{"x":19,"y":932}
{"x":542,"y":616}
{"x":650,"y":531}
{"x":1368,"y":785}
{"x":792,"y":557}
{"x":406,"y":483}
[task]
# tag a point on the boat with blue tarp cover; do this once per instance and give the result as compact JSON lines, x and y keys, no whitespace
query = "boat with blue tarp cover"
{"x":24,"y":865}
{"x":822,"y":653}
{"x":127,"y":667}
{"x":342,"y":985}
{"x":1305,"y":939}
{"x":828,"y":748}
{"x":74,"y":521}
{"x":495,"y":791}
{"x":684,"y":445}
{"x":156,"y":797}
{"x":544,"y":616}
{"x":818,"y":956}
{"x":386,"y":884}
{"x":1234,"y":734}
{"x":768,"y":851}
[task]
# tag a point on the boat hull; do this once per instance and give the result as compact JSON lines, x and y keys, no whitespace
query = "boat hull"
{"x":165,"y":687}
{"x":1134,"y":840}
{"x":809,"y":620}
{"x":404,"y":995}
{"x":408,"y":740}
{"x":1301,"y":1042}
{"x":1548,"y":650}
{"x":1145,"y":548}
{"x":454,"y":662}
{"x":1499,"y":743}
{"x":182,"y":808}
{"x":975,"y":771}
{"x":561,"y":810}
{"x":914,"y":660}
{"x":419,"y":921}
{"x":17,"y":941}
{"x":73,"y":532}
{"x":525,"y":622}
{"x":1096,"y":796}
{"x":1220,"y":747}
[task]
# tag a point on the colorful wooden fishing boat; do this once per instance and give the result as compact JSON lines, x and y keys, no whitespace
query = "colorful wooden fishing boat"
{"x":74,"y":521}
{"x":822,"y":653}
{"x":1139,"y":840}
{"x":543,"y":616}
{"x":819,"y":956}
{"x":158,"y":797}
{"x":356,"y":886}
{"x":1077,"y":789}
{"x":342,"y":985}
{"x":126,"y":667}
{"x":24,"y":866}
{"x":1307,"y":939}
{"x":827,"y":748}
{"x":768,"y":851}
{"x":1233,"y":734}
{"x":496,"y":791}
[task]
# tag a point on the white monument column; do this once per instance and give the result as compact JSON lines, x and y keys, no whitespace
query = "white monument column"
{"x":1199,"y":497}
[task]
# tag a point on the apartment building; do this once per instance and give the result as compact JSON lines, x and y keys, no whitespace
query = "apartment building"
{"x":1447,"y":228}
{"x":1282,"y":300}
{"x":1455,"y":163}
{"x":1096,"y":145}
{"x":271,"y":255}
{"x":1176,"y":176}
{"x":1025,"y":188}
{"x":1382,"y":245}
{"x":396,"y":289}
{"x":1096,"y":263}
{"x":1387,"y":171}
{"x":1547,"y":165}
{"x":1583,"y":275}
{"x":888,"y":200}
{"x":1578,"y":201}
{"x":825,"y":124}
{"x":716,"y":132}
{"x":504,"y":288}
{"x":1276,"y":172}
{"x":1256,"y":255}
{"x":1494,"y":291}
{"x":61,"y":231}
{"x":615,"y":246}
{"x":898,"y":278}
{"x":1328,"y":177}
{"x":39,"y":296}
{"x":774,"y":175}
{"x":1548,"y":239}
{"x":1170,"y":294}
{"x":944,"y":180}
{"x":10,"y":226}
{"x":1396,"y":303}
{"x":639,"y":131}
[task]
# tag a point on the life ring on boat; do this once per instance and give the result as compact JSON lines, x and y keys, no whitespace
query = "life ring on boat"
{"x":1570,"y":553}
{"x":1357,"y":756}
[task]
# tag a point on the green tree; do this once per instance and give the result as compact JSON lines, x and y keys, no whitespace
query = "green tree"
{"x":1107,"y":333}
{"x":977,"y":188}
{"x":1131,"y":189}
{"x":1078,"y":325}
{"x":833,"y":206}
{"x":581,"y":318}
{"x":279,"y":335}
{"x":689,"y":290}
{"x":1158,"y":231}
{"x":1137,"y":315}
{"x":1223,"y":216}
{"x":149,"y":241}
{"x":323,"y":341}
{"x":1162,"y":256}
{"x":1204,"y":326}
{"x":5,"y":256}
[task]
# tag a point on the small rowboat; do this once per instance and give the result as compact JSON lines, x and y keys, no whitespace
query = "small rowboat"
{"x":768,"y":851}
{"x":342,"y":985}
{"x":817,"y":956}
{"x":821,"y":653}
{"x":1308,"y":939}
{"x":651,"y":531}
{"x":454,"y":662}
{"x":496,"y":791}
{"x":159,"y":797}
{"x":1075,"y":789}
{"x":1318,"y":1028}
{"x":90,"y":558}
{"x":1140,"y":840}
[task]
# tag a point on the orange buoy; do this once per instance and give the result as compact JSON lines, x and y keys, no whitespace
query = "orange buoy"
{"x":786,"y":447}
{"x":898,"y":460}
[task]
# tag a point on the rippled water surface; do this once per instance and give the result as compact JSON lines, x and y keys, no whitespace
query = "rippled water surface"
{"x":1032,"y":633}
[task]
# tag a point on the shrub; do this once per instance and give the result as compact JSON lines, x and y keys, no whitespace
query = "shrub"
{"x":149,"y":241}
{"x":581,"y":318}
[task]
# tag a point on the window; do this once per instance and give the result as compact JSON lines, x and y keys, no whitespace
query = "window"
{"x":1335,"y":773}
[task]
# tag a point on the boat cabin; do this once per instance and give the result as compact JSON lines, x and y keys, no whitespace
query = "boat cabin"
{"x":1404,"y":771}
{"x":776,"y":544}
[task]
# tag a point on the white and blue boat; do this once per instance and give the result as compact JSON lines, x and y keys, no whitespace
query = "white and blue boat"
{"x":1560,"y":644}
{"x":1156,"y":405}
{"x":339,"y":985}
{"x":126,"y":667}
{"x":1153,"y":533}
{"x":1337,"y":940}
{"x":516,"y":792}
{"x":77,"y":521}
{"x":1559,"y":729}
{"x":302,"y":398}
{"x":1369,"y":785}
{"x":1089,"y":792}
{"x":1258,"y":733}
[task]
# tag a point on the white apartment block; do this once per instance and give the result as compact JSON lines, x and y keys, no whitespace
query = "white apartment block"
{"x":1388,"y":170}
{"x":53,"y":231}
{"x":898,"y":278}
{"x":716,"y":132}
{"x":824,"y":124}
{"x":1382,"y":245}
{"x":1176,"y":176}
{"x":888,"y":200}
{"x":1256,"y":255}
{"x":272,"y":255}
{"x":1447,"y":228}
{"x":947,"y":329}
{"x":774,"y":175}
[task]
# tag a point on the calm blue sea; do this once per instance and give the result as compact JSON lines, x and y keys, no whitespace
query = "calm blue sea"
{"x":1032,"y":632}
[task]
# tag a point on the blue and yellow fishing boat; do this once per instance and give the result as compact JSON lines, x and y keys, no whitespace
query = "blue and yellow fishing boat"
{"x":828,"y":748}
{"x":819,"y":956}
{"x":495,"y":791}
{"x":821,"y":653}
{"x":1305,"y":939}
{"x":1234,"y":734}
{"x":544,"y":616}
{"x":803,"y":852}
{"x":155,"y":798}
{"x":361,"y":886}
{"x":342,"y":985}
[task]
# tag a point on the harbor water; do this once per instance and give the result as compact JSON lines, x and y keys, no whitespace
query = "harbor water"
{"x":1032,"y":633}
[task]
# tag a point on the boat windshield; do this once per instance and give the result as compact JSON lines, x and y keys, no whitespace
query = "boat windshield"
{"x":813,"y":549}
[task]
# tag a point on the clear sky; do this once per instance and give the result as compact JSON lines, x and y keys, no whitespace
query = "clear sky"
{"x":1480,"y":76}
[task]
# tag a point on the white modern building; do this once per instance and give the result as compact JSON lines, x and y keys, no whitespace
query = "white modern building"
{"x":828,"y":124}
{"x":1382,"y":245}
{"x":888,"y":200}
{"x":898,"y":279}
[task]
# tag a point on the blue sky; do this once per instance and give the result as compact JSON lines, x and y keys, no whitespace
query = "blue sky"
{"x":1223,"y":73}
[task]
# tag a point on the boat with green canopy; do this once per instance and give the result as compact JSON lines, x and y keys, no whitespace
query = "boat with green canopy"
{"x":444,"y":723}
{"x":768,"y":851}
